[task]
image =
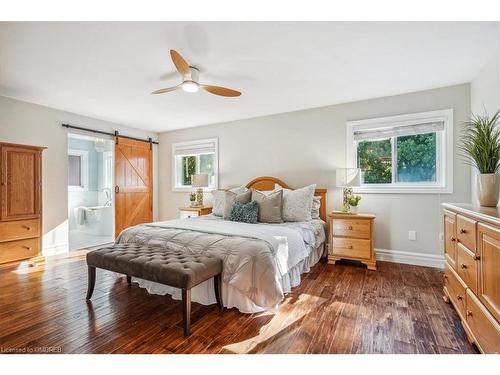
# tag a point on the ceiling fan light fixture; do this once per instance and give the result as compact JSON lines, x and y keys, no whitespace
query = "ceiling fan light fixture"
{"x":190,"y":86}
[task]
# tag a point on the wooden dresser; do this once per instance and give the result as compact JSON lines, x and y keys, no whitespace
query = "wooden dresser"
{"x":472,"y":271}
{"x":20,"y":202}
{"x":351,"y":237}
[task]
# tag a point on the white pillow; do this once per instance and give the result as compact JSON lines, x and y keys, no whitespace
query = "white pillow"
{"x":219,"y":199}
{"x":297,"y":204}
{"x":315,"y":207}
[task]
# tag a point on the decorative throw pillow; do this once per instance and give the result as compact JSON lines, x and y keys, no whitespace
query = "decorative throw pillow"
{"x":315,"y":207}
{"x":297,"y":204}
{"x":219,"y":199}
{"x":218,"y":202}
{"x":245,"y":212}
{"x":270,"y":205}
{"x":231,"y":198}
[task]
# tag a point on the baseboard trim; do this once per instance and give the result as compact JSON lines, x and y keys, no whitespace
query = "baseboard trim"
{"x":407,"y":257}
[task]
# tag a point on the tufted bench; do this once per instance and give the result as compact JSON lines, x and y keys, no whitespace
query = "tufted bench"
{"x":173,"y":268}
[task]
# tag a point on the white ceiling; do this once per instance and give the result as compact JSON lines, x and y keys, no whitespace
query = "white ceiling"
{"x":106,"y":70}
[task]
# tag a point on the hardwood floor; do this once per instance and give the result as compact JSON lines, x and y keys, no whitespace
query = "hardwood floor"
{"x":337,"y":309}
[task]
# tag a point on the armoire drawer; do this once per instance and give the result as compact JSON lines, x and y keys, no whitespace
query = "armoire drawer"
{"x":483,"y":325}
{"x":455,"y":288}
{"x":467,"y":267}
{"x":19,"y":229}
{"x":18,"y":250}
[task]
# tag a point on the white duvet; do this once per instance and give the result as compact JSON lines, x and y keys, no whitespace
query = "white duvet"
{"x":256,"y":257}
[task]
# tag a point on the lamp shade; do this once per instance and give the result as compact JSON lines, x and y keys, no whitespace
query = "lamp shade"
{"x":199,"y":180}
{"x":347,"y":177}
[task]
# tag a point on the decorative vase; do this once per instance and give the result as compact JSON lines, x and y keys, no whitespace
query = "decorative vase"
{"x":488,"y":188}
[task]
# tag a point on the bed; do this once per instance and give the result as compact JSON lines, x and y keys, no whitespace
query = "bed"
{"x":261,"y":262}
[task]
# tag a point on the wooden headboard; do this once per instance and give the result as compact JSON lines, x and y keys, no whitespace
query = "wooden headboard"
{"x":266,"y":183}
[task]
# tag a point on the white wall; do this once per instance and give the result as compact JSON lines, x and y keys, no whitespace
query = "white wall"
{"x":485,"y":96}
{"x":27,"y":123}
{"x":307,"y":146}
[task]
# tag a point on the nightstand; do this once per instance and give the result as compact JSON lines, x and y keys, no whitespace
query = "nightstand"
{"x":351,"y":237}
{"x":185,"y":212}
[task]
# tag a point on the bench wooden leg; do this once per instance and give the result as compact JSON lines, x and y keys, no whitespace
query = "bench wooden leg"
{"x":186,"y":311}
{"x":218,"y":291}
{"x":91,"y":282}
{"x":129,"y":279}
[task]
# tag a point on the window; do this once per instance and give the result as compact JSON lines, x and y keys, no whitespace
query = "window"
{"x":403,"y":154}
{"x":78,"y":173}
{"x":194,"y":157}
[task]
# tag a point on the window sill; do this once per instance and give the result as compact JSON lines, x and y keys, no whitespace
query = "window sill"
{"x":403,"y":190}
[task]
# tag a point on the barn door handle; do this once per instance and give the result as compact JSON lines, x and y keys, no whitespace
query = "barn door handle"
{"x":117,"y":189}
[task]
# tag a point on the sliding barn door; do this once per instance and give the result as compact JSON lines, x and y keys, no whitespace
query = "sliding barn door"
{"x":133,"y":183}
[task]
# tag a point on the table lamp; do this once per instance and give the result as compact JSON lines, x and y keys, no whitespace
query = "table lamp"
{"x":347,"y":178}
{"x":199,"y":181}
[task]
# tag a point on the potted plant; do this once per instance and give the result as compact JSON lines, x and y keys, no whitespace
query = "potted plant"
{"x":192,"y":198}
{"x":352,"y":201}
{"x":481,"y":149}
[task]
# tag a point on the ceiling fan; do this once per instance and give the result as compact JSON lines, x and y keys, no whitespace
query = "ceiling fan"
{"x":190,"y":81}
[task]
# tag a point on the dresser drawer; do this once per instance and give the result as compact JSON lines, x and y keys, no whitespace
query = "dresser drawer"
{"x":352,"y":228}
{"x":484,"y":327}
{"x":467,"y":267}
{"x":351,"y":247}
{"x":17,"y":250}
{"x":17,"y":230}
{"x":466,"y":232}
{"x":455,"y":288}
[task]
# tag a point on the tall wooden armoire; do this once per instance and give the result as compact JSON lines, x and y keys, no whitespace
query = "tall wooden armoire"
{"x":20,"y":202}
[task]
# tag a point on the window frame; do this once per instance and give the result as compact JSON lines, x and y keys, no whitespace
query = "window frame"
{"x":186,"y":188}
{"x":444,"y":153}
{"x":84,"y":169}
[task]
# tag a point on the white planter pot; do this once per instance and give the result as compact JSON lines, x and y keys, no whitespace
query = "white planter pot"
{"x":354,"y":210}
{"x":488,"y":188}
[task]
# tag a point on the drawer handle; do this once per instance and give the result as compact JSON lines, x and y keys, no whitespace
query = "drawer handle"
{"x":459,"y":297}
{"x":27,"y":228}
{"x":469,"y":313}
{"x":28,"y":247}
{"x":453,"y":239}
{"x":463,"y":266}
{"x":350,"y":227}
{"x":477,"y":257}
{"x":462,"y":231}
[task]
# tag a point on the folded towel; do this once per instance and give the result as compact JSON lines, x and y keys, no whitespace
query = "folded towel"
{"x":80,"y":215}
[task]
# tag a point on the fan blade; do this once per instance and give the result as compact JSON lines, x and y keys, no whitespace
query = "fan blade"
{"x":218,"y":90}
{"x":161,"y":91}
{"x":181,"y":64}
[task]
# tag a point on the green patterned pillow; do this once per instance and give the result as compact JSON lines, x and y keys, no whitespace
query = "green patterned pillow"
{"x":245,"y":212}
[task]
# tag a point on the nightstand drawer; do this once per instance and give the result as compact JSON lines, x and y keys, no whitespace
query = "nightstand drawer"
{"x":187,"y":214}
{"x":357,"y":228}
{"x":351,"y":247}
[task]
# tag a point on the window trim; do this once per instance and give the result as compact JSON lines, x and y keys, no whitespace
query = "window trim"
{"x":444,"y":152}
{"x":175,"y":187}
{"x":84,"y":170}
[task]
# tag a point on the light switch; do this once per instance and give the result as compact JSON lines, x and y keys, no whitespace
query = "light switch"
{"x":412,"y":235}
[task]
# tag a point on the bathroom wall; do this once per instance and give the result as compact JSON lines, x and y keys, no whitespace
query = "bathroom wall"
{"x":94,"y":195}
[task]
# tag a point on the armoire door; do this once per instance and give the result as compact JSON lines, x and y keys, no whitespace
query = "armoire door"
{"x":20,"y":183}
{"x":489,"y":268}
{"x":133,"y":183}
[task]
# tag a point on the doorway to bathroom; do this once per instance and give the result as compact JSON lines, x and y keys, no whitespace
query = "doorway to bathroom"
{"x":91,"y":219}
